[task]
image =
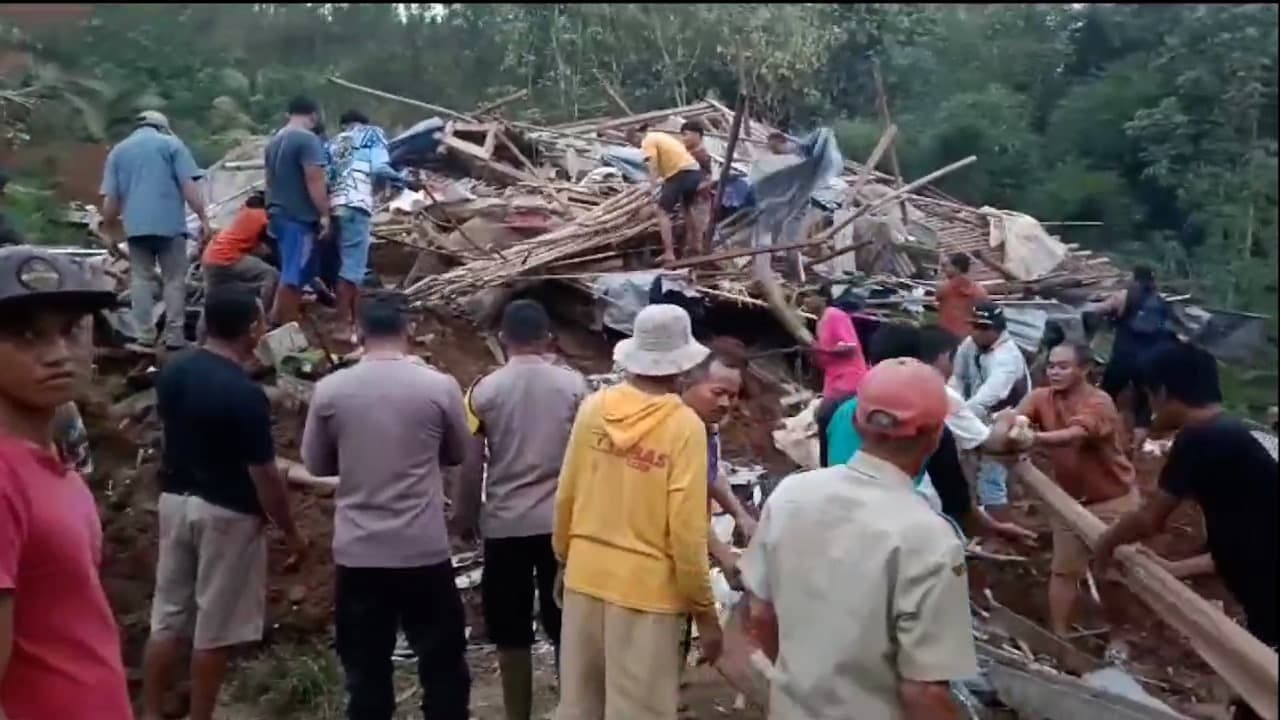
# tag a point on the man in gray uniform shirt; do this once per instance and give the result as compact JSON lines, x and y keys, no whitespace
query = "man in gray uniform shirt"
{"x":522,"y":413}
{"x":385,"y":427}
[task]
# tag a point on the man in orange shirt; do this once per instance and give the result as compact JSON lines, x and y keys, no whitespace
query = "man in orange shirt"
{"x":1080,"y":428}
{"x":957,"y":295}
{"x":230,"y":260}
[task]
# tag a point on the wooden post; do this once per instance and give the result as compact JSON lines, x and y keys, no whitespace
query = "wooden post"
{"x":738,"y":114}
{"x":1248,"y":666}
{"x":882,"y":104}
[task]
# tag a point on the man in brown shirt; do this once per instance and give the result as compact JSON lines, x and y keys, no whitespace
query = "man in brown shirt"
{"x":957,"y":295}
{"x":1080,"y":428}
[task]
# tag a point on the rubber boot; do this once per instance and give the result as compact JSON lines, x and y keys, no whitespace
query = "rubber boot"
{"x":515,"y":665}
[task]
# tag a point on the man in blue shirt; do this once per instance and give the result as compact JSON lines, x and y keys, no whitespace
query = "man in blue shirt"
{"x":148,"y":182}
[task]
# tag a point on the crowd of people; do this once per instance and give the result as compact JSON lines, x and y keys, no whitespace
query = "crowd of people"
{"x":593,"y":507}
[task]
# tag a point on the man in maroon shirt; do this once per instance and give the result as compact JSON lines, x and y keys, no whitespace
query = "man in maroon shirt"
{"x":59,"y":645}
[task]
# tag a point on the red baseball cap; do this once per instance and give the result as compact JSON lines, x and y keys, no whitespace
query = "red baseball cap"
{"x":901,"y":397}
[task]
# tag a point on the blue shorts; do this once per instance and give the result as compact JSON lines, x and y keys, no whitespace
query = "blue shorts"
{"x":296,"y":241}
{"x":354,"y":227}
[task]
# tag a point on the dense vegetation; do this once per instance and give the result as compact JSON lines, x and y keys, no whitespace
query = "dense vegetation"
{"x":1157,"y":120}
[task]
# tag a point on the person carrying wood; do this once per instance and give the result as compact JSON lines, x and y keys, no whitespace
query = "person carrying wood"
{"x":676,"y":174}
{"x":991,"y":374}
{"x":1216,"y":461}
{"x":957,"y":295}
{"x":631,"y":532}
{"x":521,"y":414}
{"x":1080,"y":428}
{"x":857,"y":588}
{"x":385,"y":427}
{"x":59,"y":644}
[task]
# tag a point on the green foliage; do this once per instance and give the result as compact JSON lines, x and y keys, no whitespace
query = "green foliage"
{"x":291,"y":682}
{"x":1158,"y":120}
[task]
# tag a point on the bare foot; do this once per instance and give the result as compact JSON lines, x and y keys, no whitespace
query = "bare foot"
{"x":666,"y":259}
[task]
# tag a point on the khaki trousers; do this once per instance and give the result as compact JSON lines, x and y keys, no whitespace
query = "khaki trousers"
{"x":618,"y":664}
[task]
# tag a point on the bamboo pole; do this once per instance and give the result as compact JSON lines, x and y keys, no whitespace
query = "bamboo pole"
{"x":400,"y":98}
{"x":882,"y":104}
{"x":504,"y":100}
{"x":1248,"y":666}
{"x":738,"y":114}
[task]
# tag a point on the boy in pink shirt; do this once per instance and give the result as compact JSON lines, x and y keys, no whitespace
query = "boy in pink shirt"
{"x":59,"y":645}
{"x":838,"y":352}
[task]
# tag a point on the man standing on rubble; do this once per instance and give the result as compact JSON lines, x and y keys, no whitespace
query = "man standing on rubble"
{"x":148,"y":182}
{"x":359,"y":160}
{"x":1142,"y":325}
{"x":523,"y":412}
{"x":957,"y":295}
{"x":297,"y":202}
{"x":219,"y":482}
{"x":59,"y":645}
{"x":838,"y":351}
{"x":857,"y":589}
{"x":1217,"y":462}
{"x":385,"y":427}
{"x":676,"y":173}
{"x":631,"y":530}
{"x":991,"y":374}
{"x":1080,"y":428}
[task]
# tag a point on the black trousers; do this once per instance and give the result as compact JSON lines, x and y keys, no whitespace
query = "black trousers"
{"x":822,"y":416}
{"x":512,"y":567}
{"x":371,"y":604}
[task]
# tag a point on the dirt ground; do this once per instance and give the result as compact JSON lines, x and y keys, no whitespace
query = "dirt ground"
{"x":300,"y":600}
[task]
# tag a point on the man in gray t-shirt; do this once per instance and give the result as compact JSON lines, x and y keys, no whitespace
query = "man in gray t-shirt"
{"x":297,"y":202}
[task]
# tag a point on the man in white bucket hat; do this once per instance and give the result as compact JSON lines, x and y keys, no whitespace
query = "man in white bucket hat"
{"x":631,"y":531}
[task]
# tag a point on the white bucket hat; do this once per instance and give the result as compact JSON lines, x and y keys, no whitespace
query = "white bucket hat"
{"x":662,"y":343}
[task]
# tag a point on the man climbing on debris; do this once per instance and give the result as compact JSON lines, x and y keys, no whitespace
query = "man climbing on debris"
{"x":522,"y":414}
{"x":297,"y":202}
{"x":59,"y":644}
{"x":1080,"y":428}
{"x":359,"y":160}
{"x":631,"y":531}
{"x":991,"y":374}
{"x":857,"y":589}
{"x":1143,"y":328}
{"x":232,"y":258}
{"x":386,"y":427}
{"x":1216,"y":461}
{"x":692,"y":134}
{"x":678,"y":176}
{"x":838,"y":351}
{"x":219,"y":482}
{"x":942,"y":483}
{"x":957,"y":295}
{"x":148,"y":182}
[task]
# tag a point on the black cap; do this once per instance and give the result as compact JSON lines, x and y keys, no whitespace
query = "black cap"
{"x":32,"y":276}
{"x":988,"y":313}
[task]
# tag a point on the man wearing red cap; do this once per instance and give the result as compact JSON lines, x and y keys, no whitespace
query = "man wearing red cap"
{"x":858,"y":588}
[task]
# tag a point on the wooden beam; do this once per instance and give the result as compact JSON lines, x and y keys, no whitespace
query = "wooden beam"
{"x":741,"y":252}
{"x":400,"y":98}
{"x":504,"y":100}
{"x":739,"y":113}
{"x":613,"y":94}
{"x":882,"y":104}
{"x":1248,"y":666}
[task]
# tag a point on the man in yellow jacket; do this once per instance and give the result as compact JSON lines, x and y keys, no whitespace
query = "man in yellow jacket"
{"x":631,"y":531}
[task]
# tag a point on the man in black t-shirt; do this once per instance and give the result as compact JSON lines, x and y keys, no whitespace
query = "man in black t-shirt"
{"x":218,"y":483}
{"x":1216,"y":461}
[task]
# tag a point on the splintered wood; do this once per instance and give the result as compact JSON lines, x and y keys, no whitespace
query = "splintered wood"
{"x":614,"y":222}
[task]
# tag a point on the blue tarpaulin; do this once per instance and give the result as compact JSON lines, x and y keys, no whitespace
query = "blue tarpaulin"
{"x":416,"y":144}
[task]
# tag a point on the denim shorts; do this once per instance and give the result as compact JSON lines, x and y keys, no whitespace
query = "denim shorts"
{"x":354,"y":228}
{"x":296,"y":242}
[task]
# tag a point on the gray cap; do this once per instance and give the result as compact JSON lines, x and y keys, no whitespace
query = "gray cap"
{"x":30,"y":275}
{"x":155,"y":119}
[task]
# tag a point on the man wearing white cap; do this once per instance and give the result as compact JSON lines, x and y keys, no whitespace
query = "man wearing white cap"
{"x":148,"y":182}
{"x":631,"y":531}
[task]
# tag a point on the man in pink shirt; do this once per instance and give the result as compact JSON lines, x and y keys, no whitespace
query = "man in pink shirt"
{"x":59,"y":645}
{"x":838,"y":352}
